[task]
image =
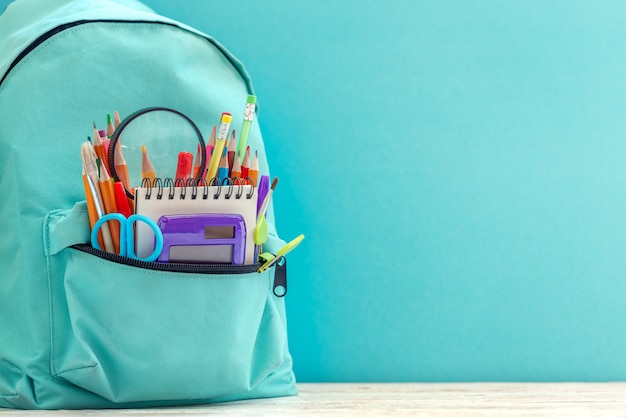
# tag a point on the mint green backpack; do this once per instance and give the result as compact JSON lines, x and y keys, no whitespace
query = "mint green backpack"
{"x":81,"y":331}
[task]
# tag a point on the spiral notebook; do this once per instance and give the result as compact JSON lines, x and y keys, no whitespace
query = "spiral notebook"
{"x":164,"y":200}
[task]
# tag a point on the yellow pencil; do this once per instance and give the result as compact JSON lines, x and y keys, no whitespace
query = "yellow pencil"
{"x":220,"y":142}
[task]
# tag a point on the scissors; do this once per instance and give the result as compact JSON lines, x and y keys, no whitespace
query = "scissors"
{"x":127,"y":235}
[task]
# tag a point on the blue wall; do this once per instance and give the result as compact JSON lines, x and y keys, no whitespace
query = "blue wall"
{"x":459,"y":170}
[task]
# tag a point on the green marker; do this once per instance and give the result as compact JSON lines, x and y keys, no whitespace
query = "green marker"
{"x":248,"y":115}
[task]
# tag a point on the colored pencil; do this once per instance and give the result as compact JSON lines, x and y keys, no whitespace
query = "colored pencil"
{"x":197,"y":162}
{"x":211,"y":145}
{"x":120,"y":166}
{"x":91,"y":170}
{"x":110,"y":127}
{"x":98,"y":147}
{"x":220,"y":142}
{"x":91,"y":206}
{"x":108,"y":198}
{"x":248,"y":116}
{"x":222,"y":171}
{"x":232,"y":151}
{"x":245,"y":164}
{"x":147,"y":169}
{"x":253,"y":172}
{"x":236,"y":171}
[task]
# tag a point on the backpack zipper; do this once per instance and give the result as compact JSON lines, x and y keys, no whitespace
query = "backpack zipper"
{"x":170,"y":266}
{"x":279,"y":285}
{"x":50,"y":33}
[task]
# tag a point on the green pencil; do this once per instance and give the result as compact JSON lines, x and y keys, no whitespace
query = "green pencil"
{"x":245,"y":126}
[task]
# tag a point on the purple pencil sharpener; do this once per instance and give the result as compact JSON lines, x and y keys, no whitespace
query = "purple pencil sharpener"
{"x":203,"y":238}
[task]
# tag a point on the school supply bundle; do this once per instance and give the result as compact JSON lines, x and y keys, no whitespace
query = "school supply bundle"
{"x":124,"y":284}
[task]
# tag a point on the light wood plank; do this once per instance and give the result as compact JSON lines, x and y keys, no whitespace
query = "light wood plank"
{"x":406,"y":399}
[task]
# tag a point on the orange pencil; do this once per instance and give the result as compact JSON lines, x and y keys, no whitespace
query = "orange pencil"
{"x":108,"y":198}
{"x":236,"y":171}
{"x":116,"y":116}
{"x":120,"y":166}
{"x":245,"y":165}
{"x":91,"y":170}
{"x":197,"y":162}
{"x":147,"y":169}
{"x":253,"y":172}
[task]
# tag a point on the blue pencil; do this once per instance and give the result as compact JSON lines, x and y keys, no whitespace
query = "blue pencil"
{"x":222,"y":171}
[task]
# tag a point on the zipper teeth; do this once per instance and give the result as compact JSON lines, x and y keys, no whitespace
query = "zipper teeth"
{"x":38,"y":41}
{"x":171,"y":267}
{"x":50,"y":33}
{"x":47,"y":35}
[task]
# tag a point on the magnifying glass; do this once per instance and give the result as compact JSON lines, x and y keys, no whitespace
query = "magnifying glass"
{"x":164,"y":133}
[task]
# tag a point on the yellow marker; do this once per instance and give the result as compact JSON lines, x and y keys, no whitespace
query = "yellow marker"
{"x":220,"y":142}
{"x":282,"y":252}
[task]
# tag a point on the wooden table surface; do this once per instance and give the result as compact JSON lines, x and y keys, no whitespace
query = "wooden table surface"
{"x":406,"y":399}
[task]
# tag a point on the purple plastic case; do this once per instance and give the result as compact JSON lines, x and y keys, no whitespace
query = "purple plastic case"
{"x":189,"y":230}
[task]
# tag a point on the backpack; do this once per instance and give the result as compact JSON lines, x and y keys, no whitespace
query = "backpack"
{"x":81,"y":331}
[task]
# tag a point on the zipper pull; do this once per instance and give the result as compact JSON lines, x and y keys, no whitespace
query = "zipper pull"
{"x":280,"y":277}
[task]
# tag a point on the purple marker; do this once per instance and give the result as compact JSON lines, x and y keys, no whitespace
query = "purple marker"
{"x":263,"y":188}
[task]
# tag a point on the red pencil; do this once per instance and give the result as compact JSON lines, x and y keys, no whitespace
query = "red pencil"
{"x":245,"y":165}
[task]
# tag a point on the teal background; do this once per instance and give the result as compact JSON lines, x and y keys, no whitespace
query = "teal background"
{"x":458,"y":169}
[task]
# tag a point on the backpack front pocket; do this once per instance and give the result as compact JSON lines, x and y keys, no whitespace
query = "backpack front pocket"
{"x":133,"y":334}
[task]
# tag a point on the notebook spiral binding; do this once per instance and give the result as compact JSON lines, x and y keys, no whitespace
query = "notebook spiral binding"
{"x":234,"y":187}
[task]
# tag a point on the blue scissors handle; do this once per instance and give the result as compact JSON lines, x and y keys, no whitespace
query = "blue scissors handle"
{"x":127,"y":235}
